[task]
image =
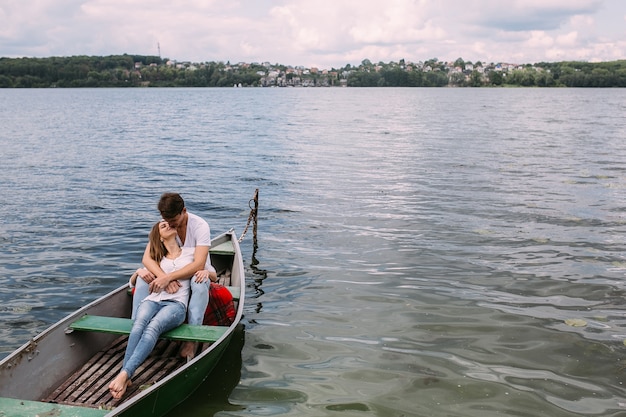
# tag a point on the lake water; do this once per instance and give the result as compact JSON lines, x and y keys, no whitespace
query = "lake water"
{"x":421,"y":252}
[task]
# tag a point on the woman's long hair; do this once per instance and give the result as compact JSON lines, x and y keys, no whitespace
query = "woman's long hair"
{"x":157,"y":248}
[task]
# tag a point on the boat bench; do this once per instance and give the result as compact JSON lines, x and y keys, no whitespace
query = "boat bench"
{"x":184,"y":332}
{"x":120,"y":325}
{"x":226,"y":248}
{"x":13,"y":407}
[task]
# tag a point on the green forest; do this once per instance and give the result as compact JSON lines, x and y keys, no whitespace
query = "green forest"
{"x":153,"y":71}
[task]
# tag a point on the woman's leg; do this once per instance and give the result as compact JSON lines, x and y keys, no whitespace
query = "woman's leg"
{"x":142,"y":289}
{"x":119,"y":385}
{"x":170,"y":314}
{"x":198,"y":302}
{"x":146,"y":311}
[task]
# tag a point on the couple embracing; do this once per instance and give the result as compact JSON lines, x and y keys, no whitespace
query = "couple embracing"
{"x":172,"y":286}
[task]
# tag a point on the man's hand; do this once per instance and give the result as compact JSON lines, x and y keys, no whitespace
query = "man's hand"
{"x":159,"y":284}
{"x":172,"y":287}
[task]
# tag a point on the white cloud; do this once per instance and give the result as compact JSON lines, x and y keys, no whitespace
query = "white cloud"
{"x":568,"y":40}
{"x":539,"y":39}
{"x":582,"y":21}
{"x":524,"y":15}
{"x":321,"y":33}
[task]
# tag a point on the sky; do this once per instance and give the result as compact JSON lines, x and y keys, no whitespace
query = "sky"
{"x":318,"y":33}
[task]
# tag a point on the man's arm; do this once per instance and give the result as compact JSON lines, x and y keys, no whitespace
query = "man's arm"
{"x":153,"y":270}
{"x":162,"y":280}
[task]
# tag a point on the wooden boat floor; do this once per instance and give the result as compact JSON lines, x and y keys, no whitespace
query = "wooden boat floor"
{"x":89,"y":386}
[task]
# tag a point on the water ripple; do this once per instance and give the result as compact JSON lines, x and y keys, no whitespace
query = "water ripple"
{"x":421,"y":252}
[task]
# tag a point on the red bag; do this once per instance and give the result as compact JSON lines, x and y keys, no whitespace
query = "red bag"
{"x":221,"y":309}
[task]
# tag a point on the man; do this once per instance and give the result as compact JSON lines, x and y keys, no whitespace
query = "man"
{"x":192,"y":231}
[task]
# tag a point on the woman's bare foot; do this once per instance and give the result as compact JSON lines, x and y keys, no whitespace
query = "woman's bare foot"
{"x":118,"y":386}
{"x":188,"y":350}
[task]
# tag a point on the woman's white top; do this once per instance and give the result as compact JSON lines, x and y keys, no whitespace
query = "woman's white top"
{"x":171,"y":265}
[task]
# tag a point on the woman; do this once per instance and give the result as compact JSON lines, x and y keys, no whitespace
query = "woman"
{"x":158,"y":312}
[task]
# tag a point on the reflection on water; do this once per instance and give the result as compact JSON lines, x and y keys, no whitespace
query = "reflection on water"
{"x":213,"y":395}
{"x":421,"y":252}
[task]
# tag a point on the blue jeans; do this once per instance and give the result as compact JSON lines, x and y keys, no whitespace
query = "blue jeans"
{"x":153,"y":319}
{"x":197,"y":303}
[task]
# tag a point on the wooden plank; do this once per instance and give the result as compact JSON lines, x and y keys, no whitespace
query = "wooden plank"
{"x":93,"y":384}
{"x":13,"y":408}
{"x":119,"y":325}
{"x":103,"y":365}
{"x":153,"y":369}
{"x":89,"y":386}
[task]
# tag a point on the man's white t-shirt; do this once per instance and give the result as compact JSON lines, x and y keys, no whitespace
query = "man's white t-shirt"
{"x":198,"y":234}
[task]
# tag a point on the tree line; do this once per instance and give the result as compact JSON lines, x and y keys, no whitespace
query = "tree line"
{"x":434,"y":73}
{"x":140,"y":70}
{"x":113,"y":71}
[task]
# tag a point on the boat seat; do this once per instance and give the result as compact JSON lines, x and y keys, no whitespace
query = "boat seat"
{"x":226,"y":248}
{"x":120,"y":325}
{"x":235,"y":292}
{"x":13,"y":407}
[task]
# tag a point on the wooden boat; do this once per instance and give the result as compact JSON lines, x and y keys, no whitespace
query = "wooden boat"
{"x":66,"y":370}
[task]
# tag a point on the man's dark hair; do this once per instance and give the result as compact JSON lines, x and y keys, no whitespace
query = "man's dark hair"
{"x":171,"y":205}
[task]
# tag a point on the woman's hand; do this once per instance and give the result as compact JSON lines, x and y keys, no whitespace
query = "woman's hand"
{"x":146,"y":275}
{"x":205,"y":275}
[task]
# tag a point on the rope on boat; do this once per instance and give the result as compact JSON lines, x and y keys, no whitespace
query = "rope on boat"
{"x":253,"y":216}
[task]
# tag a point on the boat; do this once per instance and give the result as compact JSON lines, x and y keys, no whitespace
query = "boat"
{"x":65,"y":370}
